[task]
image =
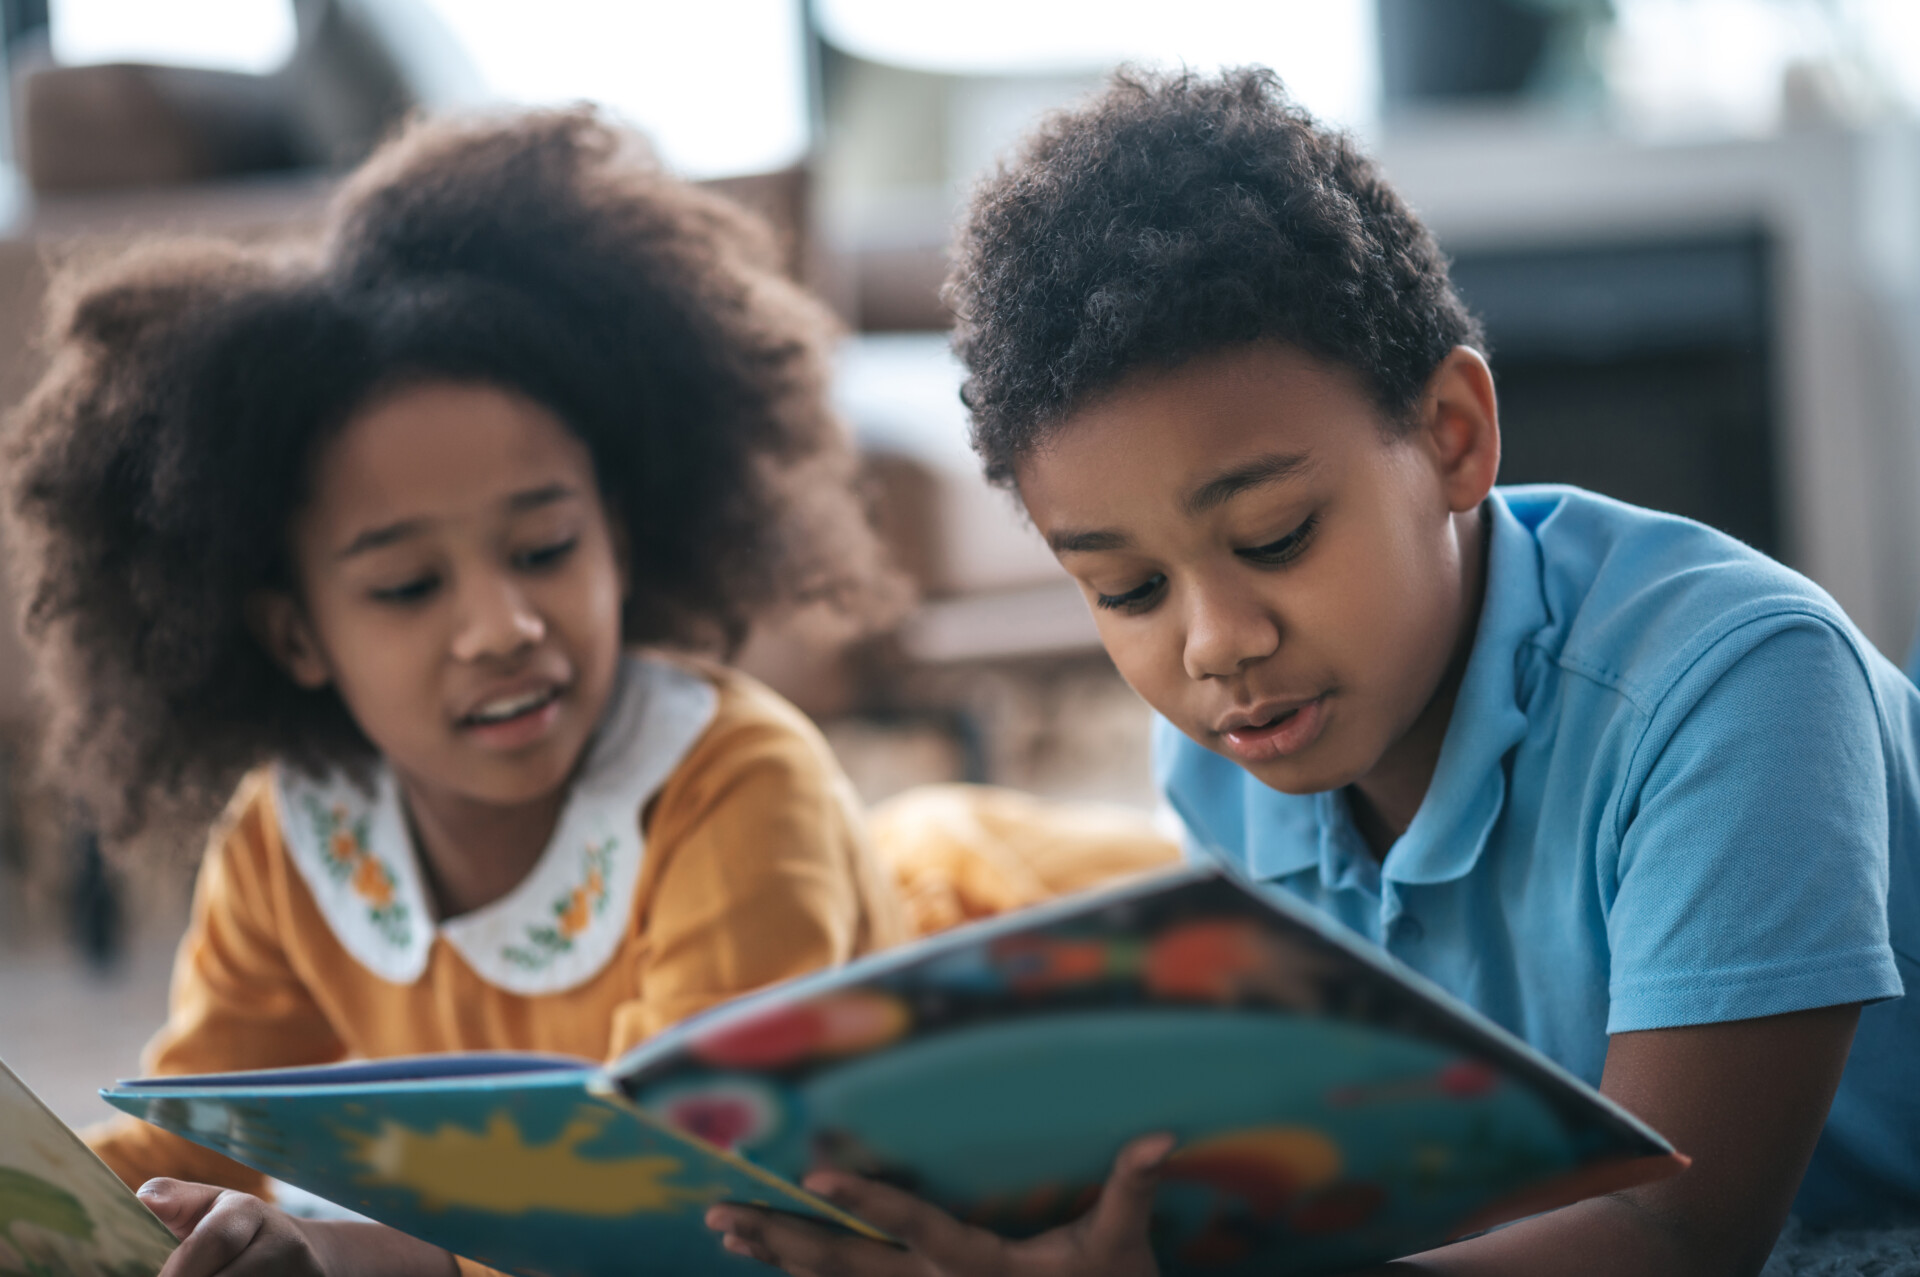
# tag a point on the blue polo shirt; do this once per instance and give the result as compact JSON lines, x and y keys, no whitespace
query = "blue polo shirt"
{"x":1679,"y":787}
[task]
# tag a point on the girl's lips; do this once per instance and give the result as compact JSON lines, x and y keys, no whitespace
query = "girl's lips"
{"x":519,"y":731}
{"x":1291,"y":733}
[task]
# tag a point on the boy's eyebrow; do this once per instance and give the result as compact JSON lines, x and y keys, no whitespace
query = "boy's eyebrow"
{"x":377,"y":538}
{"x":1086,"y":542}
{"x":1261,"y":470}
{"x":1214,"y":492}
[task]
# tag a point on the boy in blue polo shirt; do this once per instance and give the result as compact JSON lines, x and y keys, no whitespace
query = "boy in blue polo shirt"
{"x":1638,"y":793}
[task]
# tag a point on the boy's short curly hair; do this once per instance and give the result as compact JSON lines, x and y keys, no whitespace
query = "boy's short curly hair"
{"x":1178,"y":214}
{"x":150,"y":476}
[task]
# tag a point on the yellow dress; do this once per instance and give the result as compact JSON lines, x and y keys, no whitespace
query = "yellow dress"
{"x":711,"y":845}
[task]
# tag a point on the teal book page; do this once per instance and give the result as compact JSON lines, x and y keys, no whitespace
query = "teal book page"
{"x":1332,"y":1110}
{"x":62,"y":1212}
{"x":530,"y":1172}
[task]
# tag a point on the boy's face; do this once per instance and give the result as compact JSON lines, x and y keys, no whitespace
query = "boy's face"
{"x":461,"y":588}
{"x":1280,"y":576}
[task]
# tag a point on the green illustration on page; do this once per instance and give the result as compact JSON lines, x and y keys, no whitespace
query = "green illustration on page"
{"x":62,"y":1212}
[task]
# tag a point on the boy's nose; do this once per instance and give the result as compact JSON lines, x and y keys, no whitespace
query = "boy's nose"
{"x":497,"y":620}
{"x":1226,"y":631}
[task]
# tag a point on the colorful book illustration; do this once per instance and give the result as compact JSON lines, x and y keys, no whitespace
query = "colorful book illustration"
{"x":1333,"y":1108}
{"x":62,"y":1212}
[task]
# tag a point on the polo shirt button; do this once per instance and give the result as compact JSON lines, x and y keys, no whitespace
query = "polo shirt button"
{"x":1410,"y":929}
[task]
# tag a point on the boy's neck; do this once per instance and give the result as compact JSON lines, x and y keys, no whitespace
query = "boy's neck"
{"x":473,"y":853}
{"x":1385,"y":800}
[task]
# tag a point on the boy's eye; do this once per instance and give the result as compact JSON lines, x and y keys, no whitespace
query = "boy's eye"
{"x":1287,"y":548}
{"x":1138,"y":599}
{"x":408,"y":591}
{"x":546,"y":555}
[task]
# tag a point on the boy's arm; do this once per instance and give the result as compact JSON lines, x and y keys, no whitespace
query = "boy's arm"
{"x":1745,"y":1100}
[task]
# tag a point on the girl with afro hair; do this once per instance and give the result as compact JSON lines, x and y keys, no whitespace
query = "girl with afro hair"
{"x":384,"y":535}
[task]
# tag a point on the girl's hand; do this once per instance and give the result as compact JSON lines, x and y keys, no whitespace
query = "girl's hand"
{"x":238,"y":1235}
{"x":1110,"y":1240}
{"x":225,"y":1232}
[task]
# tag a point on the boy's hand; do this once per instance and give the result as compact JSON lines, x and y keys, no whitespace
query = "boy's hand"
{"x":238,"y":1235}
{"x":229,"y":1233}
{"x":1110,"y":1240}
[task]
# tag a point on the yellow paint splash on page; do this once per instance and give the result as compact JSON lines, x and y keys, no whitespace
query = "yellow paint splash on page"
{"x":499,"y":1171}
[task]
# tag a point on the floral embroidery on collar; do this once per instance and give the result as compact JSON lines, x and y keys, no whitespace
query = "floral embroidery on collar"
{"x":572,"y":913}
{"x":563,"y":923}
{"x":343,"y":833}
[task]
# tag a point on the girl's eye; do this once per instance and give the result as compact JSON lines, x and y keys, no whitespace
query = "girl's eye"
{"x":408,"y":592}
{"x":1138,"y":599}
{"x":547,"y":555}
{"x":1287,"y":548}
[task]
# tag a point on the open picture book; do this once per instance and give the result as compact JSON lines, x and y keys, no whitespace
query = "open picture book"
{"x":1333,"y":1108}
{"x":62,"y":1212}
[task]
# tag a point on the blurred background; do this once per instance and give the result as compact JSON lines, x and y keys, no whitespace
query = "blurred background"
{"x":1691,"y":226}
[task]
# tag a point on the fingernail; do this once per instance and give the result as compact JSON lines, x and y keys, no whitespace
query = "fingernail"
{"x":821,"y":1184}
{"x":1159,"y":1159}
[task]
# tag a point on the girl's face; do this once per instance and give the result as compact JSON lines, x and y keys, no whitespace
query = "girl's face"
{"x":460,"y":586}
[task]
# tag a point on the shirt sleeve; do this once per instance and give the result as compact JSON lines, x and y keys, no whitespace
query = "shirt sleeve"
{"x":234,"y":1004}
{"x":762,"y":872}
{"x":1753,"y":864}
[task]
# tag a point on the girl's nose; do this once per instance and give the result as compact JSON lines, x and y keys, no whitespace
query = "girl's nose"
{"x":497,"y":619}
{"x":1227,"y":630}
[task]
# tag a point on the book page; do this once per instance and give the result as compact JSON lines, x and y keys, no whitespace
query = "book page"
{"x":62,"y":1212}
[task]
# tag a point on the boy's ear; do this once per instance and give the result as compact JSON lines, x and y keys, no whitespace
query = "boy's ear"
{"x":1460,"y":420}
{"x":281,"y":626}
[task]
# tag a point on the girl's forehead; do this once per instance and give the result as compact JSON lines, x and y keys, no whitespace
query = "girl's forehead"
{"x":441,"y":453}
{"x":444,"y":444}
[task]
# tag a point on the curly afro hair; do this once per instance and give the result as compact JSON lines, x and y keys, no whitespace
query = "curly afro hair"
{"x":1174,"y":215}
{"x":150,"y":475}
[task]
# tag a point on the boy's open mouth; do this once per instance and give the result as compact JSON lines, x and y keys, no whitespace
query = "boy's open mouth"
{"x":506,"y":709}
{"x":1263,"y":734}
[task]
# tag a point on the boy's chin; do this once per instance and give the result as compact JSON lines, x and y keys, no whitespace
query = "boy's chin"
{"x":1312,"y":771}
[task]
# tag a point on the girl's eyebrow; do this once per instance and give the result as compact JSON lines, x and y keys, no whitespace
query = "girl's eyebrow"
{"x":529,"y":499}
{"x":533,"y":498}
{"x":375,"y":538}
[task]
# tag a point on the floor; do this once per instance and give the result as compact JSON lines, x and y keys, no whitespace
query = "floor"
{"x":68,"y":1030}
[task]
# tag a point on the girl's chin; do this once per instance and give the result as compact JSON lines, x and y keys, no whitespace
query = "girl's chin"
{"x":486,"y":779}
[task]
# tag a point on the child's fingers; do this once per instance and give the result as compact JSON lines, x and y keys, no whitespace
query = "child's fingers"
{"x":234,"y":1235}
{"x":925,"y":1229}
{"x":1118,"y":1221}
{"x":804,"y":1249}
{"x":222,"y":1231}
{"x":178,"y":1204}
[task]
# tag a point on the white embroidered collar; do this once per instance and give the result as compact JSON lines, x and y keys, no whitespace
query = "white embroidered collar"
{"x":565,"y":920}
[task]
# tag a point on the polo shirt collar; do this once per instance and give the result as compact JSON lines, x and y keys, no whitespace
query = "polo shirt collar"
{"x":1469,"y":788}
